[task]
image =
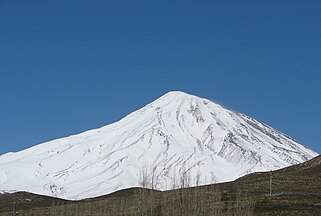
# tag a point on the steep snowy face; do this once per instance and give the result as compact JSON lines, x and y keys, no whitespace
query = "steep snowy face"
{"x":176,"y":135}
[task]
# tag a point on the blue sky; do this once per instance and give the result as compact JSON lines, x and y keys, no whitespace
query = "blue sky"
{"x":69,"y":66}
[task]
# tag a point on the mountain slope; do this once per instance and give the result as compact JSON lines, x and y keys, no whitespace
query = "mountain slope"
{"x":296,"y":190}
{"x":168,"y":137}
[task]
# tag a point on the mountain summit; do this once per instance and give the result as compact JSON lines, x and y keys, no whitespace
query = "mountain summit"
{"x":176,"y":135}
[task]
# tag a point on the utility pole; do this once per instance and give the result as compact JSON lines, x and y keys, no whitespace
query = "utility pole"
{"x":271,"y":177}
{"x":14,"y":209}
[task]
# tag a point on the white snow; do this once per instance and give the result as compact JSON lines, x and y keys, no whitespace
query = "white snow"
{"x":176,"y":132}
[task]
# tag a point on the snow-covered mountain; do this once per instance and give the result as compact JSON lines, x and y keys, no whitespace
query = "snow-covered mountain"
{"x":176,"y":135}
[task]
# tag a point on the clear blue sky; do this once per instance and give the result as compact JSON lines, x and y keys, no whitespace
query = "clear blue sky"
{"x":70,"y":66}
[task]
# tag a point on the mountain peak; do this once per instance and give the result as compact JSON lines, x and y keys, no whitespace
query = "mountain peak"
{"x":176,"y":95}
{"x":179,"y":98}
{"x":177,"y":134}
